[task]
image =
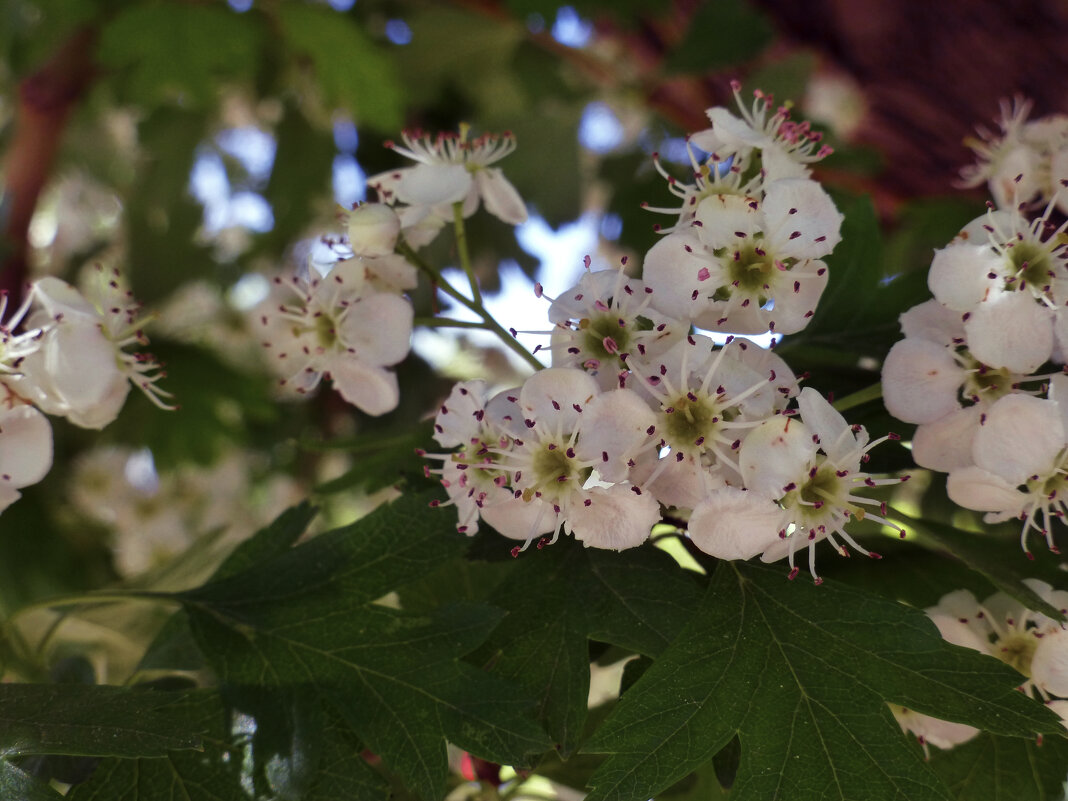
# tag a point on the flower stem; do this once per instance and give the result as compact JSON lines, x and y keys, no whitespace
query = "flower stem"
{"x":489,"y":323}
{"x":858,"y":398}
{"x":461,"y":248}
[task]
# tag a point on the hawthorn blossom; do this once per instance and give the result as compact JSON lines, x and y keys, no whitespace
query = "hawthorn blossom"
{"x":451,"y":169}
{"x":82,"y":370}
{"x":785,"y":146}
{"x":747,"y":265}
{"x":25,"y":449}
{"x":605,"y":319}
{"x":802,"y":475}
{"x":341,"y":329}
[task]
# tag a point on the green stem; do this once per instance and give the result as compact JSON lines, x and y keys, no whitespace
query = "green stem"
{"x":446,"y":322}
{"x":489,"y":323}
{"x":461,"y":248}
{"x":90,"y":598}
{"x":860,"y":397}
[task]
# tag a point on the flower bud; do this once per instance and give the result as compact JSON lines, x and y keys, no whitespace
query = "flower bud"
{"x":373,"y":229}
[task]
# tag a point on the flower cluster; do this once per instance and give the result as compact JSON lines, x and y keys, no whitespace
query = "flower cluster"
{"x":971,"y":368}
{"x":1032,"y":643}
{"x":66,"y":353}
{"x":639,"y":413}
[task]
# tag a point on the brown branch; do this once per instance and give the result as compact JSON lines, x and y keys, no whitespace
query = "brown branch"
{"x":45,"y":101}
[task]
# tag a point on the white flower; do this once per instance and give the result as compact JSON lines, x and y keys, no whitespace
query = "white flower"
{"x":811,"y":469}
{"x":747,"y":266}
{"x":339,"y":329}
{"x":373,"y":229}
{"x":785,"y":146}
{"x":1019,"y":465}
{"x":453,"y":169}
{"x":83,"y":370}
{"x":25,"y":449}
{"x":604,"y":320}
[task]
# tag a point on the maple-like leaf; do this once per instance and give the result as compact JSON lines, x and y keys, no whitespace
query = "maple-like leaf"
{"x":802,"y":675}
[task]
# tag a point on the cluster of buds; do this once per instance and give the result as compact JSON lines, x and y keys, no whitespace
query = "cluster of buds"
{"x":1032,"y":643}
{"x":638,"y":414}
{"x":66,"y":353}
{"x":973,"y":369}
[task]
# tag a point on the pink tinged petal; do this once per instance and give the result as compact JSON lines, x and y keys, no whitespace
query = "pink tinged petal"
{"x":391,"y":272}
{"x":932,"y":321}
{"x":520,"y":520}
{"x":459,"y":417}
{"x":551,"y":396}
{"x":1011,"y":330}
{"x":379,"y":328}
{"x":921,"y":381}
{"x":1020,"y":437}
{"x":776,"y":454}
{"x":615,"y":427}
{"x":25,"y":446}
{"x":370,"y":389}
{"x":616,"y":517}
{"x":978,"y":489}
{"x":373,"y":229}
{"x":501,"y":198}
{"x":1049,"y":667}
{"x":671,"y":270}
{"x":802,"y":220}
{"x":432,"y":184}
{"x":960,"y":275}
{"x":681,"y":484}
{"x":734,"y":524}
{"x":946,"y":444}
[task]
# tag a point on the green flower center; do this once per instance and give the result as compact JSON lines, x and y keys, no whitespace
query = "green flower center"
{"x":693,"y":421}
{"x":1032,"y":264}
{"x":1017,"y":650}
{"x":599,"y":330}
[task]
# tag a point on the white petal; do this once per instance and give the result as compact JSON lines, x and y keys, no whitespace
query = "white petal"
{"x":370,"y":389}
{"x":978,"y":489}
{"x":797,"y":293}
{"x":379,"y":328}
{"x":616,"y":518}
{"x":836,"y":438}
{"x":550,"y":396}
{"x":25,"y":446}
{"x":80,"y":362}
{"x":373,"y":229}
{"x":673,"y":270}
{"x":520,"y":520}
{"x":1020,"y":437}
{"x":614,"y":426}
{"x":500,"y":197}
{"x":960,"y":275}
{"x":457,"y":421}
{"x":106,"y":409}
{"x":431,"y":184}
{"x":946,"y":444}
{"x":1049,"y":667}
{"x":59,"y":297}
{"x":728,"y":221}
{"x":1011,"y":329}
{"x":802,"y":220}
{"x":734,"y":524}
{"x":921,"y":381}
{"x":939,"y":733}
{"x":932,"y":321}
{"x":776,"y":454}
{"x":733,"y":130}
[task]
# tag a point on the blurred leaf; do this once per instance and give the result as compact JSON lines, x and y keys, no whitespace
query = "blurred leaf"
{"x":91,"y":721}
{"x":801,"y":674}
{"x":304,"y":618}
{"x":991,"y":768}
{"x":168,"y":51}
{"x":566,"y":595}
{"x":353,"y":73}
{"x":723,"y":33}
{"x":17,"y":785}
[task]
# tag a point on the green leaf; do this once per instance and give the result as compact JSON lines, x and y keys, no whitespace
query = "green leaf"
{"x":721,"y":34}
{"x":561,"y":597}
{"x":178,"y":51}
{"x":91,"y":721}
{"x":224,"y":769}
{"x":17,"y":785}
{"x":304,"y":619}
{"x":351,"y":70}
{"x":802,"y":675}
{"x":991,"y":768}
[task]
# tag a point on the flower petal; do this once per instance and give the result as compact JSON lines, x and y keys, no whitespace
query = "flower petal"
{"x":921,"y":381}
{"x":501,"y":198}
{"x":734,"y":524}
